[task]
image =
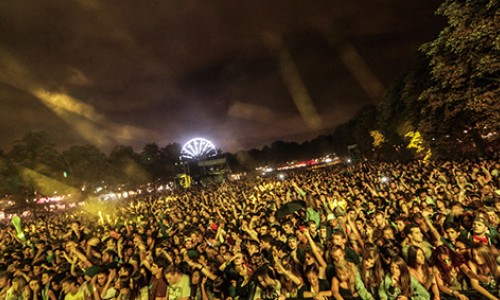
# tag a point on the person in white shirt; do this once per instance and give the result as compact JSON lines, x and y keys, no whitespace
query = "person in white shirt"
{"x":179,"y":287}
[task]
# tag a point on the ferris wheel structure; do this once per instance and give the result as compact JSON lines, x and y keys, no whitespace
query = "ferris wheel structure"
{"x":198,"y":148}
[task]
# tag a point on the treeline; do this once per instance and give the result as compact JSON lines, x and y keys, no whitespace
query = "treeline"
{"x":34,"y":166}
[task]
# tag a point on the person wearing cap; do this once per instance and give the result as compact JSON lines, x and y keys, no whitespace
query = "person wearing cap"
{"x":479,"y":231}
{"x":332,"y":224}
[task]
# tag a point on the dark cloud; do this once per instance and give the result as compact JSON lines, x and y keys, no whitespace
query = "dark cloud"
{"x":132,"y":72}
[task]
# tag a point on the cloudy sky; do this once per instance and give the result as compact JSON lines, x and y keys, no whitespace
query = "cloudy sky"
{"x":240,"y":73}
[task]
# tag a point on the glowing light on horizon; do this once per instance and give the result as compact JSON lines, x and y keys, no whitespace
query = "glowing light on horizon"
{"x":197,"y":148}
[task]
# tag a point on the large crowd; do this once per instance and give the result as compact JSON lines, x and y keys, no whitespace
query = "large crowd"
{"x":413,"y":230}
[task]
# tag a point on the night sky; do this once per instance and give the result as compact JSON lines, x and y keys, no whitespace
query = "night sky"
{"x":240,"y":73}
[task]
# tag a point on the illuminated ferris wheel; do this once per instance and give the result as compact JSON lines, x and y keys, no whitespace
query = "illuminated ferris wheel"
{"x":198,"y":148}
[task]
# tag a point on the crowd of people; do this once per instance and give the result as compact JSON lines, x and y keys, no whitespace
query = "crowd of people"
{"x":413,"y":230}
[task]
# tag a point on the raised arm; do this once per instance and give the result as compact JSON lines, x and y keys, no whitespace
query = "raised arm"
{"x":319,"y":258}
{"x":279,"y":267}
{"x":434,"y":231}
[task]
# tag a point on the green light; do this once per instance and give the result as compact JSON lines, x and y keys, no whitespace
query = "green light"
{"x":65,"y":174}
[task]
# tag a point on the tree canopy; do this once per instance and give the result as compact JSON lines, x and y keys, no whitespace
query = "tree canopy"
{"x":463,"y":93}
